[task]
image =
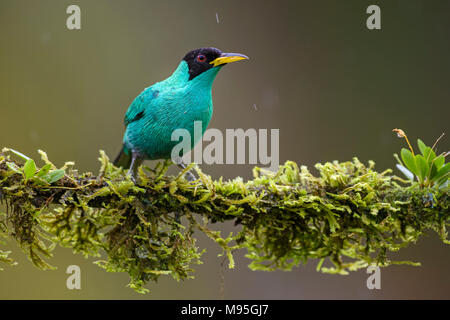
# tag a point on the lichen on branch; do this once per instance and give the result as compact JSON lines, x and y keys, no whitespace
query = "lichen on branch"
{"x":348,"y":216}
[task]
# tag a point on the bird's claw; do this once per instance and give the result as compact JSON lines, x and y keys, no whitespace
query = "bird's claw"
{"x":190,"y":176}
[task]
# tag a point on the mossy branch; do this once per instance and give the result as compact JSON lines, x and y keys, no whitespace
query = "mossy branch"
{"x":350,"y":215}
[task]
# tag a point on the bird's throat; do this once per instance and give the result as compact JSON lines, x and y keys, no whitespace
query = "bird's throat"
{"x":180,"y":78}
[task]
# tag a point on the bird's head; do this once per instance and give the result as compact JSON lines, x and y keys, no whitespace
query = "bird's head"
{"x":203,"y":59}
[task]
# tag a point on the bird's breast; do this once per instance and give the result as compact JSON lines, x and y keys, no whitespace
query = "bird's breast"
{"x":171,"y":110}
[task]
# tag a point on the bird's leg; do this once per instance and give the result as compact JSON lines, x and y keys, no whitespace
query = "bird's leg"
{"x":135,"y":163}
{"x":189,"y":175}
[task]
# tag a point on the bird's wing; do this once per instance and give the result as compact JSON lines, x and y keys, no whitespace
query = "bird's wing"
{"x":141,"y":102}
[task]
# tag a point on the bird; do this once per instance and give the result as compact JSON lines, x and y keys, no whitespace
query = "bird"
{"x":174,"y":103}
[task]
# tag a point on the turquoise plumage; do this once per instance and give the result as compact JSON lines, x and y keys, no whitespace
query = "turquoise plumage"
{"x":175,"y":103}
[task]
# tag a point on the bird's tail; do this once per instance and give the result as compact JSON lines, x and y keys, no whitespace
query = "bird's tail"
{"x":123,"y":159}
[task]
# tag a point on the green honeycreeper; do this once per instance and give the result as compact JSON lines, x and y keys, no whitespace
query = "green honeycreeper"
{"x":175,"y":103}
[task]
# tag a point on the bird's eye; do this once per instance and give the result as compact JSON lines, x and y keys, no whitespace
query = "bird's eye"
{"x":201,"y":58}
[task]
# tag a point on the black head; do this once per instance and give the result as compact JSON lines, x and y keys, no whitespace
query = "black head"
{"x":199,"y":60}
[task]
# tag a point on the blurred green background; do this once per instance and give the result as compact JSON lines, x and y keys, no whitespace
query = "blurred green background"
{"x":334,"y":89}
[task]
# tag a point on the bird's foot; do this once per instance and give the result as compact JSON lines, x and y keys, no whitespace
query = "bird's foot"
{"x":188,"y":175}
{"x":132,"y":175}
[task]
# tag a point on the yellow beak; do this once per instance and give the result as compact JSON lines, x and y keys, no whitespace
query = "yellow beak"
{"x":228,"y":58}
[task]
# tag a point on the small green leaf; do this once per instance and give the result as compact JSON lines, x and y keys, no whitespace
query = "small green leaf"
{"x":440,"y":177}
{"x":14,"y":167}
{"x":436,"y":165}
{"x":439,"y":162}
{"x":17,"y":153}
{"x":429,"y":155}
{"x":427,"y":152}
{"x":422,"y":167}
{"x":44,"y":170}
{"x":443,"y":180}
{"x":422,"y":146}
{"x":54,"y":176}
{"x":409,"y":161}
{"x":29,"y":169}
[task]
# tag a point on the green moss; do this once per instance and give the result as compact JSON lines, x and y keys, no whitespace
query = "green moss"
{"x":349,"y":216}
{"x":4,"y":255}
